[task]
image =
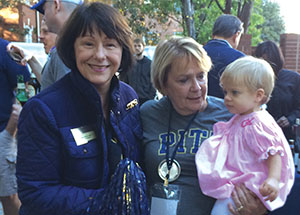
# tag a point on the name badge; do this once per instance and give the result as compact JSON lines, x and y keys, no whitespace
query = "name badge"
{"x":83,"y":135}
{"x":160,"y":206}
{"x":164,"y":199}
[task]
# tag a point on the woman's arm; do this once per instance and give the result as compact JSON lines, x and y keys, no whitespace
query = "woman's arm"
{"x":295,"y":108}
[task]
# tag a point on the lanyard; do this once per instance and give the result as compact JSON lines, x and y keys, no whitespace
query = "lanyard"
{"x":170,"y":160}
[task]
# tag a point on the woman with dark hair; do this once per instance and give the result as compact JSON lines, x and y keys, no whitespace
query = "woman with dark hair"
{"x":284,"y":104}
{"x":73,"y":134}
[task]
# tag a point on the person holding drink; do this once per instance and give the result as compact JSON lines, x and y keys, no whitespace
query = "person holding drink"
{"x":9,"y":112}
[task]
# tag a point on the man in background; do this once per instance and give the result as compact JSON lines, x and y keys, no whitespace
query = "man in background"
{"x":226,"y":35}
{"x":47,"y":38}
{"x":56,"y":13}
{"x":9,"y":112}
{"x":139,"y":76}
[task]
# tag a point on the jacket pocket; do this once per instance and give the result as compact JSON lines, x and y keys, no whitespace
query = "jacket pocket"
{"x":82,"y":162}
{"x":80,"y":142}
{"x":88,"y":150}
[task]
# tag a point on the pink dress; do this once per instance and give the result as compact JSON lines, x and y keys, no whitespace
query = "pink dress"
{"x":236,"y":153}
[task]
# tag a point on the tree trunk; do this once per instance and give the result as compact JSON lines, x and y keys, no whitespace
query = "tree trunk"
{"x":228,"y":6}
{"x":245,"y":14}
{"x":188,"y":16}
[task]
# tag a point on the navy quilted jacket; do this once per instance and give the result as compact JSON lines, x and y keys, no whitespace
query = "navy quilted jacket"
{"x":285,"y":99}
{"x":55,"y":175}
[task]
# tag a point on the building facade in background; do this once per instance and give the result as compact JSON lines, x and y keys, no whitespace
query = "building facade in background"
{"x":17,"y":24}
{"x":290,"y":46}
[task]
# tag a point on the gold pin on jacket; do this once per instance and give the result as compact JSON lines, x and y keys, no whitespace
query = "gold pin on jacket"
{"x":131,"y":104}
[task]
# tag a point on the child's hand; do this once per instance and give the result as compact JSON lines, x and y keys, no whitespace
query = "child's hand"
{"x":269,"y":188}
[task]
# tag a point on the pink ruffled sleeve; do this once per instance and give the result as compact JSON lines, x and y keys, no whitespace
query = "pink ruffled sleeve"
{"x":265,"y":137}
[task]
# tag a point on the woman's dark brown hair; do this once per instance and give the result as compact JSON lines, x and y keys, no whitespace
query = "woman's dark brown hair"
{"x":102,"y":18}
{"x":269,"y":51}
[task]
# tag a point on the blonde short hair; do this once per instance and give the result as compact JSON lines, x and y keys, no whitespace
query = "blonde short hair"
{"x":171,"y":50}
{"x":251,"y":72}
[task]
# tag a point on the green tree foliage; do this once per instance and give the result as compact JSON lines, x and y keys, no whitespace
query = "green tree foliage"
{"x":160,"y":12}
{"x":249,"y":11}
{"x":144,"y":17}
{"x":273,"y":24}
{"x":9,"y":3}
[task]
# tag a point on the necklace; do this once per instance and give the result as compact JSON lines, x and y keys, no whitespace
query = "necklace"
{"x":169,"y":169}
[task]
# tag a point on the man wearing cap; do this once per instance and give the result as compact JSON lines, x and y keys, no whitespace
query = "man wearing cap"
{"x":56,"y":13}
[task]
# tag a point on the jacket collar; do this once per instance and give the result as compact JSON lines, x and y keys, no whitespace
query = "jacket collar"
{"x":221,"y":42}
{"x":89,"y":91}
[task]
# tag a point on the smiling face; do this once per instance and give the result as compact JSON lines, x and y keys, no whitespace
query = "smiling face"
{"x":186,"y":86}
{"x":97,"y":58}
{"x":240,"y":100}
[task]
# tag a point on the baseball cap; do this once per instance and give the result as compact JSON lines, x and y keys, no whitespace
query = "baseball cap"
{"x":39,"y":6}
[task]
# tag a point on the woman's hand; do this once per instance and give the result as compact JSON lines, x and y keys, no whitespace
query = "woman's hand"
{"x":283,"y":122}
{"x":247,"y":203}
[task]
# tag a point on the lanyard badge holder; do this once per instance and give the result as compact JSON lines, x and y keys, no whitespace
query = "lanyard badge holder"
{"x":165,"y":197}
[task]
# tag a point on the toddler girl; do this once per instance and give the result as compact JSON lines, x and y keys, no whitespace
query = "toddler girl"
{"x":250,"y":148}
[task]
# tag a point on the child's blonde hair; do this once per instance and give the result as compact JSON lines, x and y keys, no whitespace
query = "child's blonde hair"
{"x":251,"y":72}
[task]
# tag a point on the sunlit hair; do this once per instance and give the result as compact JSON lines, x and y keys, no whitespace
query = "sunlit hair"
{"x":101,"y":18}
{"x":173,"y":50}
{"x":251,"y":72}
